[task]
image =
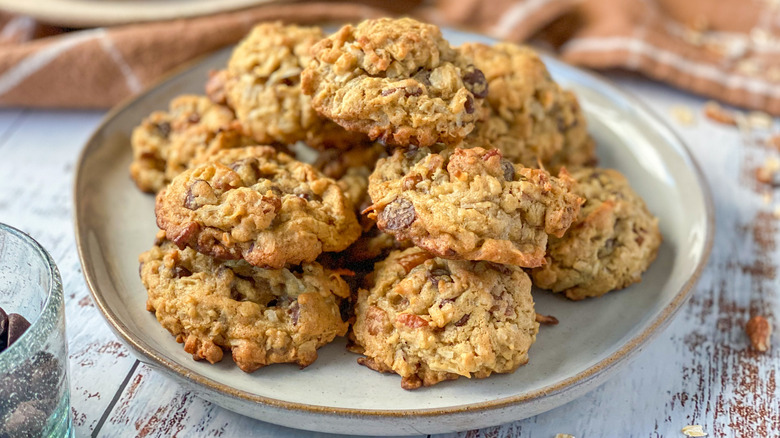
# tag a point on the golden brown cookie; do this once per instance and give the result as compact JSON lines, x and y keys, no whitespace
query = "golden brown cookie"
{"x":431,"y":319}
{"x":613,"y":241}
{"x":166,"y":142}
{"x":397,"y":80}
{"x":262,"y":316}
{"x":262,"y":84}
{"x":471,"y":204}
{"x":528,"y":116}
{"x":257,"y":204}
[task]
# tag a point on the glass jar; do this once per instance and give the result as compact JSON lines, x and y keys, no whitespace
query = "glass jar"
{"x":34,"y":388}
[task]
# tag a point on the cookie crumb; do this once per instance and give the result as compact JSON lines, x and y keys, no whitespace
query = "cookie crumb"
{"x":546,"y":319}
{"x":766,"y":173}
{"x":715,"y":112}
{"x":774,"y":141}
{"x":759,"y":330}
{"x":683,"y":115}
{"x":693,"y":430}
{"x":759,"y":120}
{"x":744,"y":127}
{"x":564,"y":435}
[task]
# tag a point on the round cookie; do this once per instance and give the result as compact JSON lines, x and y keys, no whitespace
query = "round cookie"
{"x":262,"y":84}
{"x":257,"y":204}
{"x":166,"y":142}
{"x":613,"y":241}
{"x":529,"y":117}
{"x":262,"y":316}
{"x":471,"y":204}
{"x":431,"y":319}
{"x":397,"y":80}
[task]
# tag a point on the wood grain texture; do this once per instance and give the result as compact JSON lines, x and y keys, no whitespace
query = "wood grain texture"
{"x":700,"y":370}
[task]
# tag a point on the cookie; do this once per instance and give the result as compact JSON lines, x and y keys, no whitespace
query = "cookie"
{"x":431,"y":319}
{"x":166,"y":142}
{"x":397,"y":80}
{"x":613,"y":241}
{"x":262,"y":84}
{"x":528,"y":116}
{"x":351,"y":169}
{"x":471,"y":204}
{"x":257,"y":204}
{"x":262,"y":316}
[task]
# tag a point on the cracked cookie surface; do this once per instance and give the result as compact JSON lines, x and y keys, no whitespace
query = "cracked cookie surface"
{"x":262,"y":316}
{"x":431,"y":319}
{"x":397,"y":80}
{"x":528,"y":116}
{"x":613,"y":241}
{"x":262,"y":83}
{"x":257,"y":204}
{"x":166,"y":142}
{"x":471,"y":204}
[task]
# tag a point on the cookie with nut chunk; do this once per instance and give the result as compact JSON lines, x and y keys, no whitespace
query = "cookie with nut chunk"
{"x":471,"y":204}
{"x":166,"y":142}
{"x":257,"y":204}
{"x":430,"y":319}
{"x":613,"y":241}
{"x":397,"y":80}
{"x":262,"y":83}
{"x":261,"y":316}
{"x":529,"y":117}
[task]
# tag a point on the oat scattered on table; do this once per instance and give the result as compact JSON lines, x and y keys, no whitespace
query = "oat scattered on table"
{"x":694,"y":431}
{"x":683,"y":115}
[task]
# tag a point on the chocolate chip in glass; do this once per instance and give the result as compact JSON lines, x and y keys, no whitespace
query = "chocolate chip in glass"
{"x":12,"y":327}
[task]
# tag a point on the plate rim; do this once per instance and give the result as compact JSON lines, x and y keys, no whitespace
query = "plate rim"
{"x":624,"y":353}
{"x":110,"y":13}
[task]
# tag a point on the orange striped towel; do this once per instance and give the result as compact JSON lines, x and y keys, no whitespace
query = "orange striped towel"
{"x":725,"y":49}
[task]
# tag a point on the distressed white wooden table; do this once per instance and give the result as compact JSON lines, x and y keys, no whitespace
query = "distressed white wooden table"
{"x":700,"y":370}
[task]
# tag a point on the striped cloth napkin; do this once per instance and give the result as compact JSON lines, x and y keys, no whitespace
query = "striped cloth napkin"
{"x":728,"y":50}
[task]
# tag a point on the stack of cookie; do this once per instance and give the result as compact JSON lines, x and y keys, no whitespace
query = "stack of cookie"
{"x":440,"y":183}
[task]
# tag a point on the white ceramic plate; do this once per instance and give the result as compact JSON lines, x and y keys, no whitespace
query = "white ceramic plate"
{"x":87,"y":13}
{"x":115,"y":223}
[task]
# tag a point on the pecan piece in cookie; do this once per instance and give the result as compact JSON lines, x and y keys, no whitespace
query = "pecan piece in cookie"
{"x":262,"y":316}
{"x":257,"y":204}
{"x":612,"y":242}
{"x":262,"y":83}
{"x":471,"y":204}
{"x":437,"y":319}
{"x":397,"y":80}
{"x":528,"y":116}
